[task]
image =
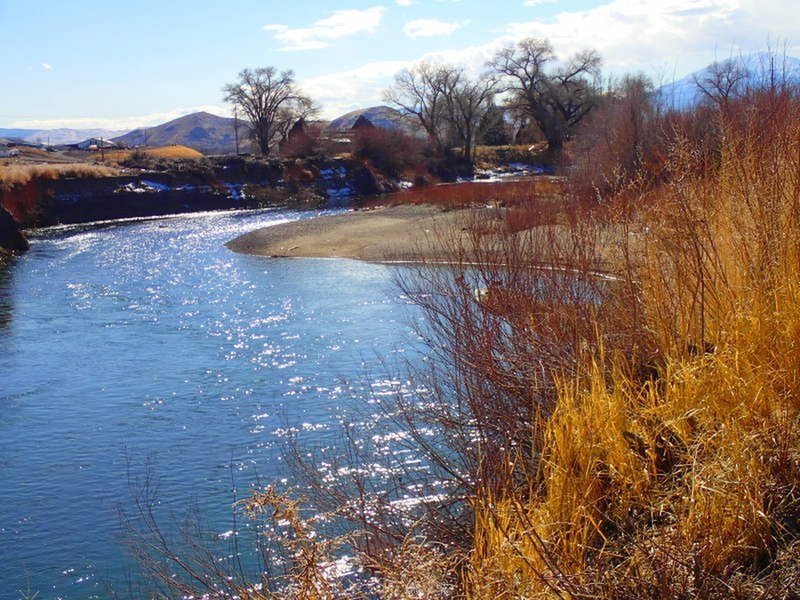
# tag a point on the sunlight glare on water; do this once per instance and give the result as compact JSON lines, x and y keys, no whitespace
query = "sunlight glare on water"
{"x":124,"y":343}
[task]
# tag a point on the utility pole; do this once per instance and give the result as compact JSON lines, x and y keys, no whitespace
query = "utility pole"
{"x":102,"y":150}
{"x":236,"y":128}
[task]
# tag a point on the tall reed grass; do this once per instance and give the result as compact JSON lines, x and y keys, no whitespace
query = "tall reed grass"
{"x":18,"y":175}
{"x":685,"y":482}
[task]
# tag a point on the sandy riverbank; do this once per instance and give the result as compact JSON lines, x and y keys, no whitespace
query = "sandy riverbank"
{"x":395,"y":233}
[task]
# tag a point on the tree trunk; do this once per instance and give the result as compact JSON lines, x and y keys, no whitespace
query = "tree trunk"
{"x":551,"y":126}
{"x":469,"y":145}
{"x":263,"y":144}
{"x":261,"y":134}
{"x":467,"y":152}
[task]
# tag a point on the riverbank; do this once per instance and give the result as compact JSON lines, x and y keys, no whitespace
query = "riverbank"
{"x":428,"y":233}
{"x":39,"y":196}
{"x":396,"y":233}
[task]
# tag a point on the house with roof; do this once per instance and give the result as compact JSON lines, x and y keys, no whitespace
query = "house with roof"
{"x":94,"y":144}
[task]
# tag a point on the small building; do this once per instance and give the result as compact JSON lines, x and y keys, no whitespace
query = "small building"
{"x":8,"y":150}
{"x":95,"y":144}
{"x":362,"y":124}
{"x":298,"y":129}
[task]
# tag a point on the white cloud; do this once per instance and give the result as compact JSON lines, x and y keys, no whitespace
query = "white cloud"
{"x":472,"y":58}
{"x":652,"y":35}
{"x":341,"y":92}
{"x":119,"y":123}
{"x":663,"y":38}
{"x":431,"y":28}
{"x":320,"y":34}
{"x":47,"y":66}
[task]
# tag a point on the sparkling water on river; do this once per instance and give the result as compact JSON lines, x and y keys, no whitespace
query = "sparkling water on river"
{"x":136,"y":342}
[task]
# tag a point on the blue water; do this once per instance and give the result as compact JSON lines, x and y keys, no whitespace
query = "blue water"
{"x":138,"y":342}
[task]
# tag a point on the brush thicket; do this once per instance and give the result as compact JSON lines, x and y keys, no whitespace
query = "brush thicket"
{"x":682,"y":482}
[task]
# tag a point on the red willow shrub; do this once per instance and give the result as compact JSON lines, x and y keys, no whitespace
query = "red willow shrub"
{"x":391,"y":151}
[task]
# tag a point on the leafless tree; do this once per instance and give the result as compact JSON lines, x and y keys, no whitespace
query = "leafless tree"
{"x":271,"y":101}
{"x":773,"y":71}
{"x":556,"y":99}
{"x":468,"y":100}
{"x":288,"y":116}
{"x":722,"y":81}
{"x":447,"y":102}
{"x":421,"y":92}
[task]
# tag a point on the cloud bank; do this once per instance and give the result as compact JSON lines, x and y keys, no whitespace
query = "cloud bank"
{"x":431,"y":28}
{"x":321,"y":33}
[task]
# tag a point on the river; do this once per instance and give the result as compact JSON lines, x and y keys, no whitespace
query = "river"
{"x":135,"y":343}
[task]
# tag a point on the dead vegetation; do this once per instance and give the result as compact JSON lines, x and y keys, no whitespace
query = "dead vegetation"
{"x":620,"y":420}
{"x":18,"y":175}
{"x":668,"y":468}
{"x":541,"y":193}
{"x":173,"y":152}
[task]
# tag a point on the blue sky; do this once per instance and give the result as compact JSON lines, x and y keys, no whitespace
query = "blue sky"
{"x":91,"y":63}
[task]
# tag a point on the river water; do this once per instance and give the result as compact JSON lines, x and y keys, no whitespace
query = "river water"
{"x":135,"y":343}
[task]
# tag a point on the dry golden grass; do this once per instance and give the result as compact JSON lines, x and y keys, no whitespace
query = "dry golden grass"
{"x":170,"y":152}
{"x":684,"y":485}
{"x":18,"y":175}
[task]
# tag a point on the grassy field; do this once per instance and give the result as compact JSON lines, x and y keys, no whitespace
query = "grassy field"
{"x":169,"y":152}
{"x":15,"y":175}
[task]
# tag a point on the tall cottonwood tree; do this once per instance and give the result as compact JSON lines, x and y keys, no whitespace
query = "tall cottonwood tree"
{"x":722,"y":82}
{"x":271,"y":101}
{"x":420,"y":92}
{"x":468,"y":100}
{"x":556,"y":99}
{"x":447,"y":102}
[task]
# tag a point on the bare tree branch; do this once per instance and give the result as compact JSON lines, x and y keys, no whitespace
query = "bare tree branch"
{"x":271,"y":101}
{"x":448,"y":104}
{"x":722,"y":82}
{"x":555,"y":100}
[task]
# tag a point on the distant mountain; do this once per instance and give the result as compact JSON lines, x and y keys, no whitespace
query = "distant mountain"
{"x":761,"y":68}
{"x":380,"y":116}
{"x":202,"y":131}
{"x":56,"y":137}
{"x":16,"y":134}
